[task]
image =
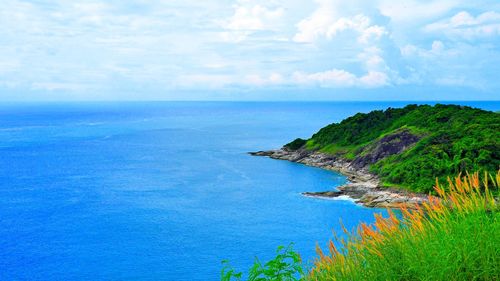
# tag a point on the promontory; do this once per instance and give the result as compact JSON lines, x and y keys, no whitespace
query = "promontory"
{"x":392,"y":157}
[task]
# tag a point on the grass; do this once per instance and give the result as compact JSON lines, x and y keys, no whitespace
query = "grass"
{"x":336,"y":149}
{"x":456,"y":236}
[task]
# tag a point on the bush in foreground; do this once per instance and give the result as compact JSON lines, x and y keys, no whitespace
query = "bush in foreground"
{"x":456,"y":237}
{"x":286,"y":266}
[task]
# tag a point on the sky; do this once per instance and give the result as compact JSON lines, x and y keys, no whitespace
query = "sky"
{"x":249,"y":50}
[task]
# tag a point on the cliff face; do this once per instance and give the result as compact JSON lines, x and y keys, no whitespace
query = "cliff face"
{"x":394,"y":143}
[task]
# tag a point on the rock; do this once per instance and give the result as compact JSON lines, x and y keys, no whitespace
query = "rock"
{"x":261,"y":153}
{"x":325,"y":194}
{"x":363,"y":187}
{"x":391,"y":144}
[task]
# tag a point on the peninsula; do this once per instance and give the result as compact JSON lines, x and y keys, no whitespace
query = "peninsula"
{"x":393,"y":157}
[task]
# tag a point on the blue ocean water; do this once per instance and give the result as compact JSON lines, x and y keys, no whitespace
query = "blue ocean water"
{"x":161,"y":191}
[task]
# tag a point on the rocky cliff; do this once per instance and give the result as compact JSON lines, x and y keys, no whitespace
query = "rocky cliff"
{"x":364,"y":187}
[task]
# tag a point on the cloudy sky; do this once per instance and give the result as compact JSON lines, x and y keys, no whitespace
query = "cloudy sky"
{"x":249,"y":50}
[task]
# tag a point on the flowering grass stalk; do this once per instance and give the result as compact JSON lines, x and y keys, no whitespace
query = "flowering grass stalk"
{"x":453,"y":237}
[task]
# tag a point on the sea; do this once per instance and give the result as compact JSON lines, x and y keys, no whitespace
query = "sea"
{"x":163,"y":190}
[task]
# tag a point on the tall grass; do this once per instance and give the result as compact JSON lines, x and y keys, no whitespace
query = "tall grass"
{"x":456,"y":237}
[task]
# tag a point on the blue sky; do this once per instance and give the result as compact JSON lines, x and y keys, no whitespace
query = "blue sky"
{"x":249,"y":50}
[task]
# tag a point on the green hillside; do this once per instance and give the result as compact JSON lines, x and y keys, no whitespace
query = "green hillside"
{"x":409,"y":147}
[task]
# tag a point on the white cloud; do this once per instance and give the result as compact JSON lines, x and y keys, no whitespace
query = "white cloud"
{"x":465,"y":25}
{"x":338,"y":78}
{"x":323,"y":24}
{"x":437,"y":46}
{"x":214,"y":81}
{"x":208,"y":81}
{"x":248,"y":19}
{"x":436,"y":50}
{"x":58,"y":86}
{"x":253,"y":18}
{"x":460,"y":81}
{"x":258,"y":80}
{"x":317,"y":24}
{"x":373,"y":32}
{"x":372,"y":60}
{"x":374,"y":79}
{"x":210,"y":44}
{"x":411,"y":11}
{"x":334,"y":77}
{"x":451,"y":65}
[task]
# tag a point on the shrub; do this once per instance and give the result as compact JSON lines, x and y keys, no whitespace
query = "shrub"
{"x":296,"y":144}
{"x":286,"y":266}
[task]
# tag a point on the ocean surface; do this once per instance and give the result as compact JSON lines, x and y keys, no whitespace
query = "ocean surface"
{"x":161,"y":190}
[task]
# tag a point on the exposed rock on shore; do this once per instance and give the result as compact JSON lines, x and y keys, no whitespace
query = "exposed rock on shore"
{"x":363,"y":186}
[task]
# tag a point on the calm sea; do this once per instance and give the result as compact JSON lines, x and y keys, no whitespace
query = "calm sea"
{"x":161,"y":191}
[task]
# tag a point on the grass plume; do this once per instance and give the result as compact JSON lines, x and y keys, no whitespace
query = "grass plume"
{"x":453,"y":237}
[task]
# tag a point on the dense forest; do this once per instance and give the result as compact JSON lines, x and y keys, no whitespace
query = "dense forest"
{"x":409,"y":147}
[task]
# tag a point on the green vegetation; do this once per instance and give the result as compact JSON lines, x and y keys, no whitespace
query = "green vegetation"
{"x":444,"y":140}
{"x":451,"y":238}
{"x":286,"y":266}
{"x":455,"y":238}
{"x":296,"y":144}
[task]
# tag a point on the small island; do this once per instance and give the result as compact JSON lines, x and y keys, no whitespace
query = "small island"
{"x":393,"y":158}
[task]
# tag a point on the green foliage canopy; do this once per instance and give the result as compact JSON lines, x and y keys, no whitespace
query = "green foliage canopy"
{"x":453,"y":139}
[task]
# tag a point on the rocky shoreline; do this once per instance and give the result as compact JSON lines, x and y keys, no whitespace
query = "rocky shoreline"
{"x":363,"y":187}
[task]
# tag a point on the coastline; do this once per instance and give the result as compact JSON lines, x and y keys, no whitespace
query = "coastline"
{"x":363,"y":187}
